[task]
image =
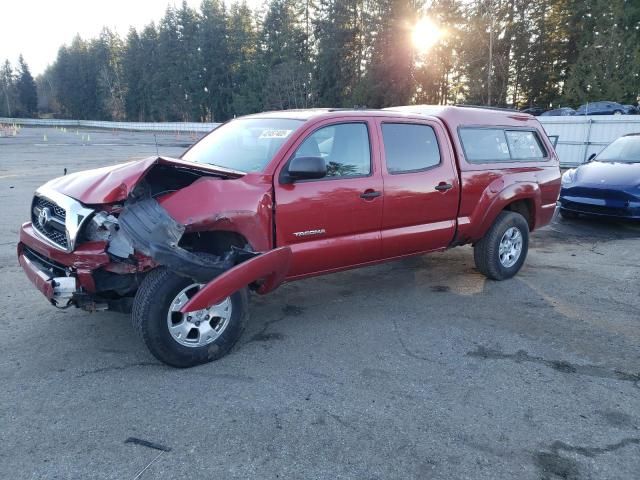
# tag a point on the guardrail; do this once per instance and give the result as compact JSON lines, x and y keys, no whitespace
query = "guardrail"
{"x":579,"y":137}
{"x":131,"y":126}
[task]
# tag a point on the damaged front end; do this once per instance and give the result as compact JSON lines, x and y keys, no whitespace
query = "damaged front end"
{"x":197,"y":222}
{"x":145,"y":227}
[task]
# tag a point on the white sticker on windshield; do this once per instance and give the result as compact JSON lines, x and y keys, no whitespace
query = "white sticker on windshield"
{"x":272,"y":133}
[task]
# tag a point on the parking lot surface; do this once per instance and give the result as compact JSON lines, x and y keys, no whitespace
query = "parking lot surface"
{"x":415,"y":369}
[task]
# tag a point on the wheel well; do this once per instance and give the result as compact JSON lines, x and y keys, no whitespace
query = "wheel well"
{"x":216,"y":242}
{"x":524,"y":208}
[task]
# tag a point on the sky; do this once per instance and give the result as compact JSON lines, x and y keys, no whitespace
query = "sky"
{"x":37,"y":28}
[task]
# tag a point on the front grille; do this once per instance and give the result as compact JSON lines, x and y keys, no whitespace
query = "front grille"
{"x":597,"y":209}
{"x":56,"y":237}
{"x":54,"y":228}
{"x":598,"y":192}
{"x":56,"y":209}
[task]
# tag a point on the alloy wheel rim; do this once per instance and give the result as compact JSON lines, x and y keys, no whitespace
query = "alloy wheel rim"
{"x":510,"y":247}
{"x":199,"y":328}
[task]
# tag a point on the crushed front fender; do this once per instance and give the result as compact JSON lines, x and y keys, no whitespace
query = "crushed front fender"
{"x":147,"y":227}
{"x":271,"y":267}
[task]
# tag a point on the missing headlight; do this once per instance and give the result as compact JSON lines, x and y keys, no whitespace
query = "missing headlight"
{"x":101,"y":227}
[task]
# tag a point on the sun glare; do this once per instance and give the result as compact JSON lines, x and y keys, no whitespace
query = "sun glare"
{"x":425,"y":35}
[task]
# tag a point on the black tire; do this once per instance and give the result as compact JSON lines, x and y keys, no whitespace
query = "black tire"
{"x":149,"y":318}
{"x":567,"y":215}
{"x":486,"y":251}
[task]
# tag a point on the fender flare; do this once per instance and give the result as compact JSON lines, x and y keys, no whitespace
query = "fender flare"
{"x":512,"y":193}
{"x":271,"y":266}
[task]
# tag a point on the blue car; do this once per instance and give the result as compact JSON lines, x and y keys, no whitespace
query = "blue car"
{"x":608,"y":185}
{"x":604,"y":108}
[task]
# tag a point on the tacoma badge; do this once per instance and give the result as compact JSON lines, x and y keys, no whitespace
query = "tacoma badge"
{"x":308,"y":233}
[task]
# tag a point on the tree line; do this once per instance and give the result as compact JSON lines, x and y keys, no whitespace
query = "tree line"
{"x":221,"y":61}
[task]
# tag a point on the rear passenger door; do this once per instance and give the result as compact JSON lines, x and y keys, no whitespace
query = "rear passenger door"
{"x":421,"y":187}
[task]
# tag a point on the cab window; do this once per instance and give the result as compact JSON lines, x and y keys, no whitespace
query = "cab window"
{"x":344,"y":147}
{"x":409,"y":147}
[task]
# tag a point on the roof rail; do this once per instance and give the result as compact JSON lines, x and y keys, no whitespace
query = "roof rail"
{"x":485,"y":107}
{"x":350,"y":109}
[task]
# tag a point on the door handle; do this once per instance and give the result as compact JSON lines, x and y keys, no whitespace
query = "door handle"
{"x":370,"y":194}
{"x":443,"y":187}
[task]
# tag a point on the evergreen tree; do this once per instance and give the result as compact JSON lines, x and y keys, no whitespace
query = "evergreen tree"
{"x":46,"y":93}
{"x":341,"y":52}
{"x":391,"y":73}
{"x":284,"y":57}
{"x":150,"y":100}
{"x":244,"y":68}
{"x":438,"y":71}
{"x":177,"y":78}
{"x":26,"y":89}
{"x":215,"y":62}
{"x":75,"y":79}
{"x":107,"y":52}
{"x":140,"y":65}
{"x":133,"y":65}
{"x":608,"y":57}
{"x":7,"y":90}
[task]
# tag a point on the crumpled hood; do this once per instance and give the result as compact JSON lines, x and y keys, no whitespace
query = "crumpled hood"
{"x":114,"y":183}
{"x":608,"y":174}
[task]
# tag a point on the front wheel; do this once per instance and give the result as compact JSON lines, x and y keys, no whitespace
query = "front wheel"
{"x":502,"y":251}
{"x":182,"y":340}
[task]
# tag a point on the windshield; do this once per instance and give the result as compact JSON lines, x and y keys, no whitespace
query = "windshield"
{"x":246,"y":145}
{"x":624,"y":149}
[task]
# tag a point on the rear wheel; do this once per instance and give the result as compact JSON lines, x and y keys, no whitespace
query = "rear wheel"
{"x":185,"y":340}
{"x":502,"y":251}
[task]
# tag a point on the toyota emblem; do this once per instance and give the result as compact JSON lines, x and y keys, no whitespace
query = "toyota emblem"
{"x":44,"y":217}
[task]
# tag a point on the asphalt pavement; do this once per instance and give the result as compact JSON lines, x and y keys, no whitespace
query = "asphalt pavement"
{"x":415,"y":369}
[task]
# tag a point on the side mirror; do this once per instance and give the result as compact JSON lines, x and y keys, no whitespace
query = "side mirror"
{"x":591,"y":157}
{"x":305,"y":168}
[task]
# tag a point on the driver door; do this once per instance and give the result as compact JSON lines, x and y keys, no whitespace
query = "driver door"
{"x":332,"y":223}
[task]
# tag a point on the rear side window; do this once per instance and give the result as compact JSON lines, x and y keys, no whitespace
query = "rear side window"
{"x":483,"y":145}
{"x":524,"y":145}
{"x":409,"y":147}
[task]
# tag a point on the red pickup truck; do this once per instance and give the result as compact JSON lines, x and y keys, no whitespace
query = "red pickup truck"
{"x":281,"y":196}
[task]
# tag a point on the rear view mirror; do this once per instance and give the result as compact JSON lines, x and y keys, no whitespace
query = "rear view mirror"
{"x":306,"y":168}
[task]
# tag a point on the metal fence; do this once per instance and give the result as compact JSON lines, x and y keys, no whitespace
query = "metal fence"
{"x":579,"y":137}
{"x":131,"y":126}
